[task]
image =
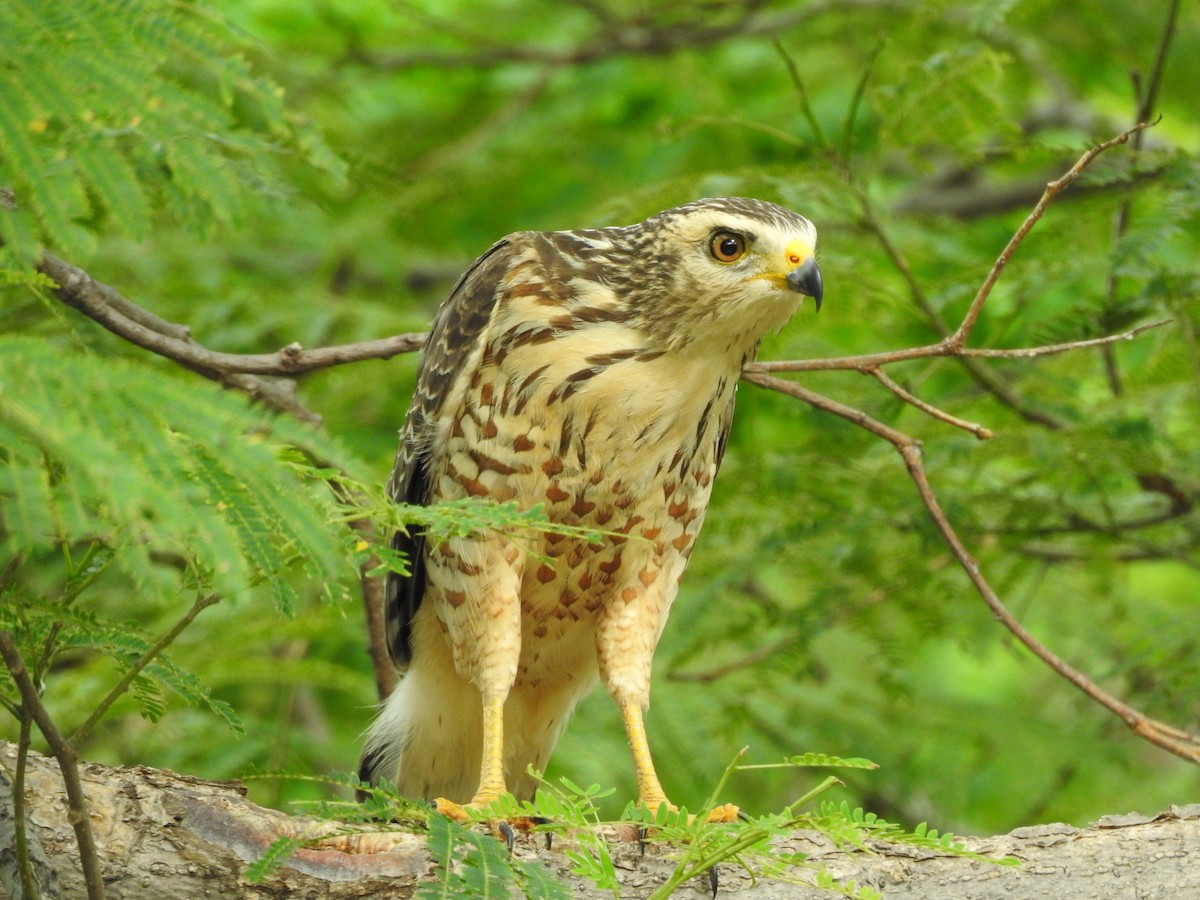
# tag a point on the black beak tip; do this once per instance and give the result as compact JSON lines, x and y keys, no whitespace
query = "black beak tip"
{"x":806,"y":279}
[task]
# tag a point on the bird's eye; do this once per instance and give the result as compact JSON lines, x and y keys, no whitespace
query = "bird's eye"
{"x":727,"y":247}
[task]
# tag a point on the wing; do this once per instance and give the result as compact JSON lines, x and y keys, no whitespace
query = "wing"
{"x":453,"y":339}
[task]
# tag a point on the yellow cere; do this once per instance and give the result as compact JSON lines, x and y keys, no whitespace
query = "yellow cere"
{"x":797,"y":252}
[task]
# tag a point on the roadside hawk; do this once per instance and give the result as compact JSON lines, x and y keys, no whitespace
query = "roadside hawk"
{"x":591,"y":372}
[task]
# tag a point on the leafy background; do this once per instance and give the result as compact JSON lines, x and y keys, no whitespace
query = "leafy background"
{"x":269,"y":172}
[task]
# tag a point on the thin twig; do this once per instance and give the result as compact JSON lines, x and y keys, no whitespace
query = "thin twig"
{"x":868,"y":361}
{"x":84,"y":731}
{"x":29,"y":888}
{"x":929,"y":409}
{"x":67,"y":756}
{"x":959,"y":338}
{"x":1146,"y":100}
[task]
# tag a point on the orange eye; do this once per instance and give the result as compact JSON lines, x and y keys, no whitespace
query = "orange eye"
{"x":726,"y":246}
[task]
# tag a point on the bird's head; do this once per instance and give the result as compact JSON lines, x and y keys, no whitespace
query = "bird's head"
{"x":726,"y":269}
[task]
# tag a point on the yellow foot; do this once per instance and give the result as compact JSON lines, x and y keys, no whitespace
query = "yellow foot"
{"x":726,"y":812}
{"x":505,"y":829}
{"x":451,"y":810}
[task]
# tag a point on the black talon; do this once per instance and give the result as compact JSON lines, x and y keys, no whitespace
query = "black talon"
{"x":543,"y":820}
{"x":510,"y":836}
{"x":712,"y":879}
{"x":641,"y":833}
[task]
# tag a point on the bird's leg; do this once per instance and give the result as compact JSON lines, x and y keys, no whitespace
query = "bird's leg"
{"x":491,"y":772}
{"x":491,"y":769}
{"x":650,"y":792}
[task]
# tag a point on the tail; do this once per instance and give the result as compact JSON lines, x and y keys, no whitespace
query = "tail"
{"x":428,"y":737}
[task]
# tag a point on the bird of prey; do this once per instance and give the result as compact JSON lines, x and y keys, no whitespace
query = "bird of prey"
{"x":590,"y":372}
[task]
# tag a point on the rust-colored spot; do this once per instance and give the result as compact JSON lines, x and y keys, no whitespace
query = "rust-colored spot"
{"x":510,"y":554}
{"x":552,"y":466}
{"x":636,"y":520}
{"x":486,"y":394}
{"x":650,"y":533}
{"x":592,"y":604}
{"x":540,"y":631}
{"x":555,"y":494}
{"x":585,"y":581}
{"x":682,"y":541}
{"x":490,"y":463}
{"x":602,"y":517}
{"x":474,"y":487}
{"x":617,"y":487}
{"x":553,"y":539}
{"x":545,"y":574}
{"x":647,"y":576}
{"x":611,"y":566}
{"x":675,"y":510}
{"x":456,"y":429}
{"x":522,"y":443}
{"x":568,"y":598}
{"x":668,"y":489}
{"x":490,"y":430}
{"x":629,"y":594}
{"x":456,"y":598}
{"x":582,"y":507}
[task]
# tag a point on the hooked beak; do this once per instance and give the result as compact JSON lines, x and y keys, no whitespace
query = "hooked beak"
{"x":806,"y":279}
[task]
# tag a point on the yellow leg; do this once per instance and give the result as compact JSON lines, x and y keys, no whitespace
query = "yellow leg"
{"x":491,"y":772}
{"x":650,"y":792}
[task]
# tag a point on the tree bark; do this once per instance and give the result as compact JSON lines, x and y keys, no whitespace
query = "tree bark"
{"x":167,"y":836}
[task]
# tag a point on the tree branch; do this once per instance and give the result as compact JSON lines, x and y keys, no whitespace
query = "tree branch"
{"x":1180,"y":743}
{"x":84,"y":731}
{"x":633,"y":37}
{"x":103,"y":304}
{"x":68,"y":763}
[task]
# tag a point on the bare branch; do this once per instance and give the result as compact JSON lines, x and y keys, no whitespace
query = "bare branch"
{"x":959,"y":338}
{"x":1182,"y":744}
{"x":978,"y":430}
{"x":105,"y":305}
{"x":868,"y":361}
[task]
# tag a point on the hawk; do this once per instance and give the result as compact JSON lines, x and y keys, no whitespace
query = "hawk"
{"x":591,"y":372}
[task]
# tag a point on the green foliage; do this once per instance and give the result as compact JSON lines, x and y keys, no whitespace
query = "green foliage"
{"x":470,"y":864}
{"x":114,"y":109}
{"x":180,"y":486}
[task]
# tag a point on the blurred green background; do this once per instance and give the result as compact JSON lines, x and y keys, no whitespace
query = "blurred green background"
{"x":821,"y":611}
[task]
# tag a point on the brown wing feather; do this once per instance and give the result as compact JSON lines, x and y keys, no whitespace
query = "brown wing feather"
{"x":455,"y":334}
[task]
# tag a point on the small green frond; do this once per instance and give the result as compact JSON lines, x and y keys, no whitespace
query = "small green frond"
{"x":144,"y":462}
{"x":273,"y":857}
{"x":95,"y":93}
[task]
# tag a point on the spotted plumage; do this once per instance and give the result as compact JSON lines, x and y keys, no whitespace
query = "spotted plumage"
{"x":592,"y":372}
